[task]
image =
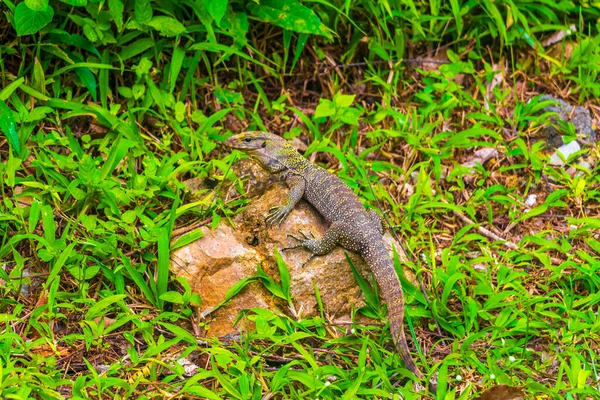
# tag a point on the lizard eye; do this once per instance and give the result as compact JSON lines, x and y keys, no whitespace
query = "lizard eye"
{"x":263,"y":145}
{"x":247,"y":140}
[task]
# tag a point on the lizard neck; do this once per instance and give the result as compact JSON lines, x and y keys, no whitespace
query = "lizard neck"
{"x":294,"y":162}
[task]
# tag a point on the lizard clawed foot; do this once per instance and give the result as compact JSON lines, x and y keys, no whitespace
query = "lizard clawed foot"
{"x":276,"y":215}
{"x":301,"y":241}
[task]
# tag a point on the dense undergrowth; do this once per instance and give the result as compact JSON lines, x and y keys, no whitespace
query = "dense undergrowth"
{"x":106,"y":107}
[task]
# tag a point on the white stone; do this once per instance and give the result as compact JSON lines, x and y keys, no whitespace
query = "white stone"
{"x":531,"y":200}
{"x":566,"y":150}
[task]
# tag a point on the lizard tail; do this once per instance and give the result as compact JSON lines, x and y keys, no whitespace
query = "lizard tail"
{"x":382,"y":266}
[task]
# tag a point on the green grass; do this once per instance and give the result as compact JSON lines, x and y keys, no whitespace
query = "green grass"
{"x":107,"y":107}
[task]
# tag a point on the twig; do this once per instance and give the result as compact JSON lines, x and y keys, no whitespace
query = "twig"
{"x":486,"y":232}
{"x":404,"y":60}
{"x":491,"y":235}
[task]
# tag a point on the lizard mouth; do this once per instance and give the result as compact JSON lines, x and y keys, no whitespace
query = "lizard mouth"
{"x":242,"y":141}
{"x":233,"y":143}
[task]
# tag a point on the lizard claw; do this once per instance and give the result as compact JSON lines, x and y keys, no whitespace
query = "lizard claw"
{"x":307,"y":261}
{"x":301,"y":243}
{"x":276,"y":215}
{"x":297,"y":245}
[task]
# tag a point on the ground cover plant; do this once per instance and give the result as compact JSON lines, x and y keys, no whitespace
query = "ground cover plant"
{"x":107,"y":107}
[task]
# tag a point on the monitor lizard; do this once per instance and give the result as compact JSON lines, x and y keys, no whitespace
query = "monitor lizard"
{"x":352,"y":227}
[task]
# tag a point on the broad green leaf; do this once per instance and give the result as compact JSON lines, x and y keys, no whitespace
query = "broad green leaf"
{"x":326,"y":108}
{"x":137,"y":47}
{"x":118,"y":150}
{"x":116,"y":7}
{"x":143,"y":11}
{"x":59,"y":36}
{"x":77,"y":3}
{"x":187,"y":238}
{"x":180,"y":332}
{"x":88,"y":79}
{"x":8,"y":90}
{"x":172,"y":297}
{"x":344,"y":100}
{"x":289,"y":14}
{"x":37,"y":5}
{"x":9,"y":127}
{"x":59,"y":263}
{"x":167,"y":26}
{"x":28,"y":21}
{"x":216,"y":9}
{"x":176,"y":62}
{"x":38,"y":76}
{"x":38,"y":113}
{"x":101,"y":307}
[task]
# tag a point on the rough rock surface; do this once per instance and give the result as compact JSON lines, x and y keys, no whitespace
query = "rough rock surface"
{"x":579,"y":116}
{"x":221,"y":258}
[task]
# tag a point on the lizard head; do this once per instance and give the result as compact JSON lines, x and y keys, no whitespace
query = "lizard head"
{"x":269,"y":150}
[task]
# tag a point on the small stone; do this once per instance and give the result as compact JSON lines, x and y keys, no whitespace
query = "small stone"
{"x":579,"y":116}
{"x":480,"y":267}
{"x":531,"y":200}
{"x":566,"y":150}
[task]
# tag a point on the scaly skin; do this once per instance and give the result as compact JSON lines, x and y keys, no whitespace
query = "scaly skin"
{"x":352,"y":226}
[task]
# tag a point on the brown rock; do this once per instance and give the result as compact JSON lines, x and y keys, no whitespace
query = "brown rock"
{"x":221,"y":258}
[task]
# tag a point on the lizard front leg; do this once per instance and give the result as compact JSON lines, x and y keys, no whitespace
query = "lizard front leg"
{"x":278,"y":213}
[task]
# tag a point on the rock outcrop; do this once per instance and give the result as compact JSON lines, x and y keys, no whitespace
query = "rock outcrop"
{"x":224,"y":256}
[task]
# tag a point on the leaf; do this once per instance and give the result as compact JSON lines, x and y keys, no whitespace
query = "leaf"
{"x":289,"y":14}
{"x":101,"y":307}
{"x":180,"y":332}
{"x":137,"y":47}
{"x":187,"y":238}
{"x":9,"y":127}
{"x":167,"y":26}
{"x":216,"y":9}
{"x":143,"y":11}
{"x":38,"y":113}
{"x":344,"y":100}
{"x":37,"y":5}
{"x":77,"y":3}
{"x":116,"y":7}
{"x":176,"y":62}
{"x":59,"y":36}
{"x":28,"y":21}
{"x":7,"y":91}
{"x":162,"y":273}
{"x":58,"y":264}
{"x":326,"y":108}
{"x":284,"y":275}
{"x":88,"y":79}
{"x":172,"y":297}
{"x":457,"y":15}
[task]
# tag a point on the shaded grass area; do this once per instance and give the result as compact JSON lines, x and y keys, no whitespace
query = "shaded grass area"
{"x":109,"y":107}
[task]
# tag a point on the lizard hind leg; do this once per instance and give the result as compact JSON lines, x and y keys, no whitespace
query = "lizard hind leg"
{"x":323,"y":246}
{"x":376,"y":220}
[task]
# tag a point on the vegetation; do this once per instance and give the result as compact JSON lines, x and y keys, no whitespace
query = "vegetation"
{"x":106,"y":107}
